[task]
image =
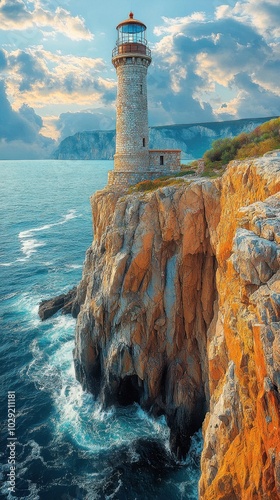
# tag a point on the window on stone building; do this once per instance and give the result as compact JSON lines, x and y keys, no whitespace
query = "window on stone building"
{"x":144,"y":142}
{"x":161,"y":160}
{"x":141,"y":89}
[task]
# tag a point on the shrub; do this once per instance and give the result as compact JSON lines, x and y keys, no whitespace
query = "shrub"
{"x":264,"y":138}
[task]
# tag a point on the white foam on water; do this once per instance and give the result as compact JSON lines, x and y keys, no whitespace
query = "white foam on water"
{"x":29,"y":233}
{"x":72,"y":214}
{"x":21,"y":468}
{"x":52,"y":363}
{"x":52,"y":370}
{"x":29,"y":304}
{"x":29,"y":244}
{"x":76,"y":415}
{"x":9,"y":296}
{"x":134,"y":457}
{"x":29,"y":247}
{"x":64,"y":322}
{"x":102,"y":415}
{"x":34,"y":453}
{"x":34,"y":492}
{"x":108,"y":497}
{"x":194,"y":454}
{"x":158,"y":425}
{"x":75,"y":418}
{"x":74,"y":266}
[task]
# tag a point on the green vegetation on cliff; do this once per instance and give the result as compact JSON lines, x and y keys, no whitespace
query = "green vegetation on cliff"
{"x":264,"y":138}
{"x":152,"y":185}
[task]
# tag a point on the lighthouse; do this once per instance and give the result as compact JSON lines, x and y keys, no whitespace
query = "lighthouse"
{"x":133,"y":161}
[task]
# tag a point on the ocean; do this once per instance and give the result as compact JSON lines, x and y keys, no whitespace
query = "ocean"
{"x":56,"y":442}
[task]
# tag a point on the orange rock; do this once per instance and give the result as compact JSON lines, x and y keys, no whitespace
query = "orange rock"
{"x":245,"y":452}
{"x":181,"y":313}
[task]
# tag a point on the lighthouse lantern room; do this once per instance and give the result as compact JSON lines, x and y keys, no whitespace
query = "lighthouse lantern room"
{"x":131,"y":37}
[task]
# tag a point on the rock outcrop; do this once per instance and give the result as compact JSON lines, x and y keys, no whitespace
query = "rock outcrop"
{"x":67,"y":303}
{"x":180,"y":312}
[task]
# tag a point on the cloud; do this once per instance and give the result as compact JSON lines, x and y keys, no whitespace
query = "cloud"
{"x":29,"y":68}
{"x":205,"y":67}
{"x":263,"y":15}
{"x":19,"y":131}
{"x":251,"y":99}
{"x":12,"y":11}
{"x":215,"y":68}
{"x":70,"y":123}
{"x":13,"y":125}
{"x":40,"y":77}
{"x":30,"y":116}
{"x":20,"y":15}
{"x":174,"y":25}
{"x":3,"y":60}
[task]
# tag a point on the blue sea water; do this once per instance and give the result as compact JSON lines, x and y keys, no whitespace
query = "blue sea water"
{"x":66,"y":448}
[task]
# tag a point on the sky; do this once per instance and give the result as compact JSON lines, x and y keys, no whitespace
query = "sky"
{"x":212,"y":61}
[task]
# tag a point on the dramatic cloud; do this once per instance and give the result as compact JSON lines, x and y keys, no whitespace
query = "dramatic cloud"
{"x":263,"y":15}
{"x":200,"y":63}
{"x":20,"y":15}
{"x":206,"y":66}
{"x":29,"y":68}
{"x":41,"y":77}
{"x":251,"y":99}
{"x":19,"y":131}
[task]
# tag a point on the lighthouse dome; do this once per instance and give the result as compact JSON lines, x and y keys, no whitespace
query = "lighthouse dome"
{"x":131,"y":31}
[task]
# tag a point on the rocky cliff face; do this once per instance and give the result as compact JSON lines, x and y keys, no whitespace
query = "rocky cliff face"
{"x":241,"y":456}
{"x":150,"y":281}
{"x":96,"y":145}
{"x":180,"y":312}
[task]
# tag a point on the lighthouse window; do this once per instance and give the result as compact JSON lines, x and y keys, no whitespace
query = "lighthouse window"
{"x":161,"y":160}
{"x":141,"y":89}
{"x":144,"y":142}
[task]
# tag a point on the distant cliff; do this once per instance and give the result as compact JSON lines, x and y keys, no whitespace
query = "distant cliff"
{"x":180,"y":311}
{"x":193,"y":140}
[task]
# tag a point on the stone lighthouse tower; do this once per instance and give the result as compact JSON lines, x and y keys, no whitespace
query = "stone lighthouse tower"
{"x":131,"y":58}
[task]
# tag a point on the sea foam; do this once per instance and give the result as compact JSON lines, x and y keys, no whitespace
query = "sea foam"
{"x":29,"y":244}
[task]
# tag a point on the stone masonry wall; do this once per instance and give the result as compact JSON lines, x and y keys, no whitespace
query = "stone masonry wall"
{"x":171,"y":160}
{"x":133,"y":161}
{"x":125,"y":179}
{"x":132,"y":134}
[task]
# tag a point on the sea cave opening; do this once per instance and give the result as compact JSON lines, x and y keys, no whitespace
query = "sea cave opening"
{"x":129,"y":391}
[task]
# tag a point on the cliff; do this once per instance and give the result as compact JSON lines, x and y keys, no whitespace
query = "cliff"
{"x":180,"y":312}
{"x":241,"y":456}
{"x":193,"y":139}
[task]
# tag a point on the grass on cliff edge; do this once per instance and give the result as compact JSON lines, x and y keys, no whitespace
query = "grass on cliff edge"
{"x":148,"y":186}
{"x":264,"y":138}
